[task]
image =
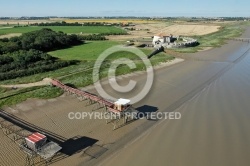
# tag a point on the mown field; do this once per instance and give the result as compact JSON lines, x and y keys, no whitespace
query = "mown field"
{"x":91,"y":50}
{"x":65,"y":29}
{"x":88,"y":51}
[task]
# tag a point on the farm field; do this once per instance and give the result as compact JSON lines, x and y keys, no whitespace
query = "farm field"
{"x":65,"y":29}
{"x":190,"y":30}
{"x":91,"y":50}
{"x":151,"y":29}
{"x":21,"y":22}
{"x":88,"y":51}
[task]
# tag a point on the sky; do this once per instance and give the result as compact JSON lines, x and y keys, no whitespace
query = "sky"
{"x":148,"y":8}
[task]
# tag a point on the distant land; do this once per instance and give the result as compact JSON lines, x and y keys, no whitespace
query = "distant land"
{"x":126,"y":17}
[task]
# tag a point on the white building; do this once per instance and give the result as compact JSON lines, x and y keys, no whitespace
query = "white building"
{"x":161,"y":38}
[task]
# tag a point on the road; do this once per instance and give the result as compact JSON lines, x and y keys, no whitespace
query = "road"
{"x":211,"y":91}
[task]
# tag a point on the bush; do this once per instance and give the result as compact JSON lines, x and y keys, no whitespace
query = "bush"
{"x":24,"y":63}
{"x":92,"y":37}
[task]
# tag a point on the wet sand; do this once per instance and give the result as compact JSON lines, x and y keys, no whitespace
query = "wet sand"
{"x":8,"y":150}
{"x":214,"y":128}
{"x":52,"y":116}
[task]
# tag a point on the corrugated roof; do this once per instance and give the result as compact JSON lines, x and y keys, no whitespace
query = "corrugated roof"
{"x":35,"y":137}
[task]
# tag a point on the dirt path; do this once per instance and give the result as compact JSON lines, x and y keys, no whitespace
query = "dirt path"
{"x":45,"y":81}
{"x":10,"y":35}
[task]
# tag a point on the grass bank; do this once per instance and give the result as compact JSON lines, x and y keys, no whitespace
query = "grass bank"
{"x":216,"y":39}
{"x":12,"y":97}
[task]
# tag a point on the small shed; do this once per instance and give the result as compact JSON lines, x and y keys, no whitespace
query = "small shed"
{"x":121,"y":103}
{"x":35,"y":141}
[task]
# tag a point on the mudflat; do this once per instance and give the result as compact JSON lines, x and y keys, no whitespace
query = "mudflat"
{"x":212,"y":93}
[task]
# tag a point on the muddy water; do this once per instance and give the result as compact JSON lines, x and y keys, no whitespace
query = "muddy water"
{"x":215,"y":126}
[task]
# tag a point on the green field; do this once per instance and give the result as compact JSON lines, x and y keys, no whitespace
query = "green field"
{"x":65,"y":29}
{"x":91,"y":50}
{"x":88,"y":51}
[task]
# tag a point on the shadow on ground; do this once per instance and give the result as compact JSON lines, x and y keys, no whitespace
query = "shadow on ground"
{"x":76,"y":144}
{"x":145,"y":111}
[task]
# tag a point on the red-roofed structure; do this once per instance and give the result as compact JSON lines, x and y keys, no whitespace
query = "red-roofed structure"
{"x":35,"y":141}
{"x":36,"y":137}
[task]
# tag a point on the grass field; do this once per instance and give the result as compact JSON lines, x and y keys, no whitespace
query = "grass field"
{"x":218,"y":38}
{"x":88,"y":51}
{"x":92,"y":49}
{"x":84,"y":78}
{"x":65,"y":29}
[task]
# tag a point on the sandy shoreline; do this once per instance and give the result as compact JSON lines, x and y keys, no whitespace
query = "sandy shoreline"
{"x":41,"y":112}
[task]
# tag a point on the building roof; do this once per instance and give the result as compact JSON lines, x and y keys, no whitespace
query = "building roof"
{"x":122,"y":101}
{"x":162,"y":34}
{"x":36,"y":137}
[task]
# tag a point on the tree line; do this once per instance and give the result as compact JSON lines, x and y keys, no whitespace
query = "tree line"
{"x":26,"y":55}
{"x":63,"y":23}
{"x":43,"y":40}
{"x":23,"y":63}
{"x":92,"y":37}
{"x":100,"y":36}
